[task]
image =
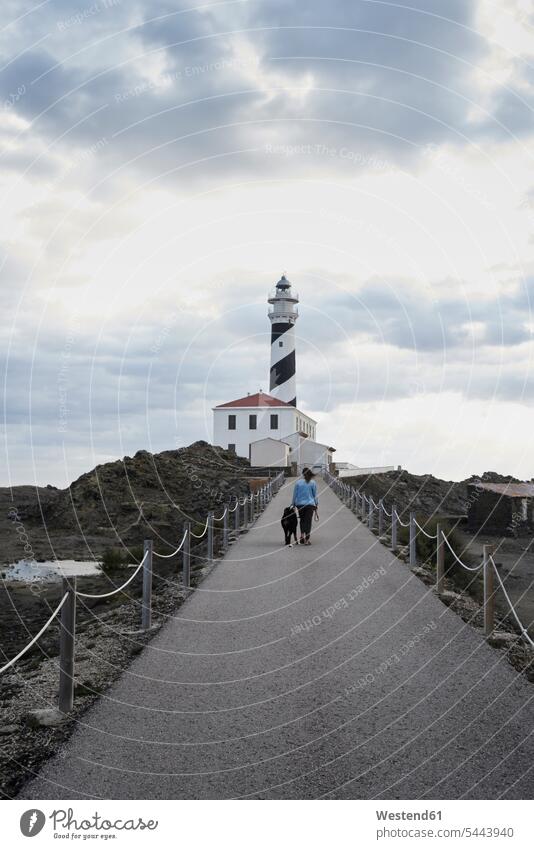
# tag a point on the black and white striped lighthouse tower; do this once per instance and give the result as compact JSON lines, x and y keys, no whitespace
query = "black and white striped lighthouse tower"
{"x":283,"y":314}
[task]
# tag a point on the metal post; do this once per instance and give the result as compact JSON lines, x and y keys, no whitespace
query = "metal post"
{"x":393,"y":527}
{"x":210,"y":536}
{"x":67,"y":635}
{"x":370,"y":522}
{"x":146,"y":610}
{"x":237,"y":516}
{"x":413,"y":551}
{"x":440,"y":561}
{"x":225,"y":528}
{"x":489,"y":594}
{"x":186,"y":568}
{"x":245,"y":513}
{"x":380,"y":518}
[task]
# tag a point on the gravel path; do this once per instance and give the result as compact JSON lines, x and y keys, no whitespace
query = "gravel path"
{"x":322,"y":671}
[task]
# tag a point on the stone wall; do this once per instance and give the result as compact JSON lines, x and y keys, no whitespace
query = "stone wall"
{"x":495,"y":513}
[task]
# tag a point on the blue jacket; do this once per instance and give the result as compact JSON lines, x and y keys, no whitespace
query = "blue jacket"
{"x":305,"y":494}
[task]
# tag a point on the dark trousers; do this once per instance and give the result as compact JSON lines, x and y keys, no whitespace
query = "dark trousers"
{"x":306,"y":518}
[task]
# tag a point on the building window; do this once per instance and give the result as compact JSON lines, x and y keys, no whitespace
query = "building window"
{"x":274,"y":421}
{"x":231,"y":447}
{"x":231,"y":422}
{"x":253,"y":422}
{"x":280,"y":344}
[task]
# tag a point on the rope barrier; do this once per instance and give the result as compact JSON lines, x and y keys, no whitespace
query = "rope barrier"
{"x":469,"y":568}
{"x":173,"y":553}
{"x":430,"y":536}
{"x":221,"y":517}
{"x":522,"y":628}
{"x":524,"y":633}
{"x":66,"y":690}
{"x":199,"y":536}
{"x":117,"y":589}
{"x":404,"y":524}
{"x":43,"y":629}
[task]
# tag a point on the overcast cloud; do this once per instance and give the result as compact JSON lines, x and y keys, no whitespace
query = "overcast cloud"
{"x":163,"y":163}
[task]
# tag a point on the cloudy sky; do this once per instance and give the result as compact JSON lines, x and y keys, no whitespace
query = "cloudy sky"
{"x":163,"y":163}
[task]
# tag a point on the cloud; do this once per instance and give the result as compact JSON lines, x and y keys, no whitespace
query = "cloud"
{"x":120,"y":116}
{"x":219,"y":83}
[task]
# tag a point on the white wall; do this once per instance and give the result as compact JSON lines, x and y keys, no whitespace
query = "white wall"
{"x":269,"y":452}
{"x":242,"y":436}
{"x":369,"y":470}
{"x":307,"y":452}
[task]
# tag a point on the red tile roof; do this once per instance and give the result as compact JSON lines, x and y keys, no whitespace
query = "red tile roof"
{"x":260,"y":399}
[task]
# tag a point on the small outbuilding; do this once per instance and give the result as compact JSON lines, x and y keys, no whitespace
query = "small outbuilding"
{"x":506,"y":509}
{"x":269,"y":452}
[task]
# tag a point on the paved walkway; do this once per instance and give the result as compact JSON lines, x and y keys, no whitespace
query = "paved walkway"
{"x":289,"y":675}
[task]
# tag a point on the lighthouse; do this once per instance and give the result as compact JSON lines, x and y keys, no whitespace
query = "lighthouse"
{"x":269,"y":429}
{"x":283,"y":314}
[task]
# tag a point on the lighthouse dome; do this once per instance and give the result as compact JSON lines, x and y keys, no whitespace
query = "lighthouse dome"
{"x":283,"y":283}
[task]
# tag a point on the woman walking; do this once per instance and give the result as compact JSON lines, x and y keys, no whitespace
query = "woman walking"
{"x":306,"y":501}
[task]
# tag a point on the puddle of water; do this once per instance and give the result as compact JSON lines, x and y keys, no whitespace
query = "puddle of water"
{"x":29,"y":571}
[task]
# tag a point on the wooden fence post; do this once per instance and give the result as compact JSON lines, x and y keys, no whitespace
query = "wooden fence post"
{"x":225,"y":528}
{"x":440,"y":560}
{"x":210,"y":536}
{"x":489,"y":594}
{"x":67,"y":635}
{"x":186,"y":567}
{"x":394,"y":526}
{"x":146,"y":610}
{"x":413,"y":549}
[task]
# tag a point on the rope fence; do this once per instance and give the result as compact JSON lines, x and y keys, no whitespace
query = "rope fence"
{"x":32,"y":642}
{"x":428,"y":536}
{"x":117,"y":589}
{"x":460,"y":562}
{"x":200,"y":536}
{"x":365,"y":507}
{"x":252,"y":507}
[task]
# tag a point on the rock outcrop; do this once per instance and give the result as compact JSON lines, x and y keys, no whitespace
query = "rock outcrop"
{"x":120,"y":503}
{"x":424,"y":494}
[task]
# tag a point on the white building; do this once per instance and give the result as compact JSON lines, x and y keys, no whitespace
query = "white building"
{"x":269,"y":452}
{"x":308,"y":452}
{"x":237,"y":424}
{"x":270,"y":430}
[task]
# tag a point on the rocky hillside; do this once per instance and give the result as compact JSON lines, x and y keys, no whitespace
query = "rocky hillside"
{"x":148,"y":495}
{"x":424,"y":494}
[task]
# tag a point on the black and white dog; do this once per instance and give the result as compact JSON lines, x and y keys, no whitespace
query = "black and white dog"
{"x":289,"y":523}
